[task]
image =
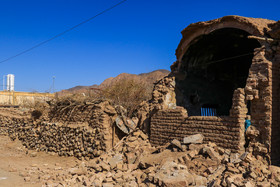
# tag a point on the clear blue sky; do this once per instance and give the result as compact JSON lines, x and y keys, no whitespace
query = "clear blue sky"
{"x":137,"y":37}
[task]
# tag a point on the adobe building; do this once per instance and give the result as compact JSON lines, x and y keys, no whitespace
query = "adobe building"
{"x":227,"y":69}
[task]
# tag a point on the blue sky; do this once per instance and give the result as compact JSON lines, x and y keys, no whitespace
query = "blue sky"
{"x":137,"y":37}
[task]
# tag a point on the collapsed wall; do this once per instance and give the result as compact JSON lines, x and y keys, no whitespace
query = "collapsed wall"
{"x":228,"y":67}
{"x":80,"y":130}
{"x":226,"y":131}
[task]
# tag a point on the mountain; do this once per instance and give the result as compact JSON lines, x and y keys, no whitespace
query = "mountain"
{"x":148,"y":78}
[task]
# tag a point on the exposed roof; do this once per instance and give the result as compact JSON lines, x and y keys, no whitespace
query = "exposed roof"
{"x":254,"y":26}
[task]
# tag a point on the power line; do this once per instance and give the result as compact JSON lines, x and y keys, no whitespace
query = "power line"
{"x":64,"y":32}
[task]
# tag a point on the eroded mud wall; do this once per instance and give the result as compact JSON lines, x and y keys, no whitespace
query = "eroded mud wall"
{"x":227,"y":132}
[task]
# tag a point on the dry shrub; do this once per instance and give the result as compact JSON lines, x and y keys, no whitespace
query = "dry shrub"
{"x":37,"y":107}
{"x":128,"y":93}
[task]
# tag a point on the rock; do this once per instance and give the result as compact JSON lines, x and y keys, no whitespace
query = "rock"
{"x":23,"y":174}
{"x":12,"y":169}
{"x":234,"y":158}
{"x":104,"y":166}
{"x":78,"y":171}
{"x":110,"y":110}
{"x":233,"y":170}
{"x":97,"y":183}
{"x":217,"y":173}
{"x":144,"y":136}
{"x":197,"y":147}
{"x":119,"y":167}
{"x":249,"y":184}
{"x":107,"y":185}
{"x":27,"y":179}
{"x":253,"y":175}
{"x":176,"y":143}
{"x":130,"y":157}
{"x":132,"y":184}
{"x":177,"y":183}
{"x":193,"y":139}
{"x":243,"y":156}
{"x":33,"y":154}
{"x":199,"y":180}
{"x":275,"y":173}
{"x":117,"y":158}
{"x":184,"y":148}
{"x":192,"y":153}
{"x":172,"y":174}
{"x":132,"y":167}
{"x":132,"y":139}
{"x":212,"y":154}
{"x":263,"y":184}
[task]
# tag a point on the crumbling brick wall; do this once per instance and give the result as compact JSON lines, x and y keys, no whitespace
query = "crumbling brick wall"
{"x":99,"y":116}
{"x":261,"y":90}
{"x":227,"y":132}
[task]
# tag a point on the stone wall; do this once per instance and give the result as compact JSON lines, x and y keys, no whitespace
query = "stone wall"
{"x":80,"y":130}
{"x":11,"y":116}
{"x":77,"y":140}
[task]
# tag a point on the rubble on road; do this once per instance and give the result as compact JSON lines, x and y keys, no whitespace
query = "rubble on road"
{"x":134,"y":162}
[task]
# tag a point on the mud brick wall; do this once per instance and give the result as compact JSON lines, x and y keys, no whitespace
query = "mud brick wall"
{"x":167,"y":125}
{"x":100,"y":115}
{"x":259,"y":91}
{"x":77,"y":140}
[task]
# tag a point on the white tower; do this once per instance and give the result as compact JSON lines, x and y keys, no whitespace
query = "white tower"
{"x":10,"y":82}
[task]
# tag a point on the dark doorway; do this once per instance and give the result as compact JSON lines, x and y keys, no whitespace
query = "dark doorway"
{"x":214,"y":66}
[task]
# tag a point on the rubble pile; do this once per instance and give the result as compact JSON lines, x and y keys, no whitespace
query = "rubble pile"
{"x":134,"y":162}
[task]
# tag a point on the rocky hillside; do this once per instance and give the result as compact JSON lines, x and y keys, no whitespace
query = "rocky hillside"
{"x":148,"y":78}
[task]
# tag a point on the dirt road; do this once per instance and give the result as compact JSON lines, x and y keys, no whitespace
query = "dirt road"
{"x":20,"y":167}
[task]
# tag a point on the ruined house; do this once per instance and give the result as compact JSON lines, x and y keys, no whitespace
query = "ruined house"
{"x":226,"y":69}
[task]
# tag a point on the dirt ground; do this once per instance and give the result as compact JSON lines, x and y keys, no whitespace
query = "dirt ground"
{"x":22,"y":167}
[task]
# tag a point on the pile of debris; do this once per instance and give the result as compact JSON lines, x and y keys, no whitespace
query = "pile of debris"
{"x":134,"y":162}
